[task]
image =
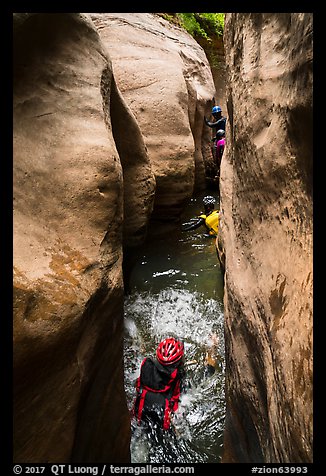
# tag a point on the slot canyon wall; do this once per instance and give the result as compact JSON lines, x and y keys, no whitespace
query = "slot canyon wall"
{"x":166,"y":80}
{"x":266,"y":237}
{"x":97,"y":148}
{"x":68,"y":218}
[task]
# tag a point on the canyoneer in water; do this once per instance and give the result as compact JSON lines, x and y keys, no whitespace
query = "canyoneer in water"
{"x":159,"y":386}
{"x":209,"y":219}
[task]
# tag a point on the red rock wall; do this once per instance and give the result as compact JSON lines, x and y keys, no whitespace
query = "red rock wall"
{"x":266,"y":235}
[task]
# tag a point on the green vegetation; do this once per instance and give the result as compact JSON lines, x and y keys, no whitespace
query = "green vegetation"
{"x":199,"y":25}
{"x":205,"y":28}
{"x":203,"y":24}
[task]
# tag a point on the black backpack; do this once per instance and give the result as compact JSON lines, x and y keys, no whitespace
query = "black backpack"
{"x":158,"y":392}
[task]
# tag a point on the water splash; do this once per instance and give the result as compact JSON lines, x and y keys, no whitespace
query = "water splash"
{"x":200,"y":417}
{"x":177,"y":290}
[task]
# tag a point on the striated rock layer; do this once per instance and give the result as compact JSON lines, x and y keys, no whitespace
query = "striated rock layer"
{"x":166,"y":80}
{"x":266,"y":235}
{"x":75,"y":188}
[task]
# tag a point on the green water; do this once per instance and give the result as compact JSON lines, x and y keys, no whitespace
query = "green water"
{"x":176,"y":289}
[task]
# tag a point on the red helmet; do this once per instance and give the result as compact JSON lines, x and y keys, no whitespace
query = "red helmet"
{"x":169,"y":351}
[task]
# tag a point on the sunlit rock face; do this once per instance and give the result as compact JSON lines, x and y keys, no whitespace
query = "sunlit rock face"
{"x":74,"y":187}
{"x":165,"y":78}
{"x":266,"y":237}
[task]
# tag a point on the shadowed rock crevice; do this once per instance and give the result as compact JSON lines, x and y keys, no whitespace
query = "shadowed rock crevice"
{"x":97,"y":402}
{"x":138,"y":179}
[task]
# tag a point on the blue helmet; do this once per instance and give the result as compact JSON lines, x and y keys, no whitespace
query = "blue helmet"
{"x":216,"y":109}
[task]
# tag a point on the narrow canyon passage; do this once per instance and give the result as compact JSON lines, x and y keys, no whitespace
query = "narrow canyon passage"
{"x":176,"y":288}
{"x":109,"y":135}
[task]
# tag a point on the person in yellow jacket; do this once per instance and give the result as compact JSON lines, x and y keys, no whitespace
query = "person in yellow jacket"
{"x":210,"y":218}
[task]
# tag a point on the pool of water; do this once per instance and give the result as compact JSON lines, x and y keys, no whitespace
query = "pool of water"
{"x":176,"y":289}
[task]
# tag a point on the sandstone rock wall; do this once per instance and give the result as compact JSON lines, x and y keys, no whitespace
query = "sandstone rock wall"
{"x":165,"y":78}
{"x":72,"y":181}
{"x":266,"y":235}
